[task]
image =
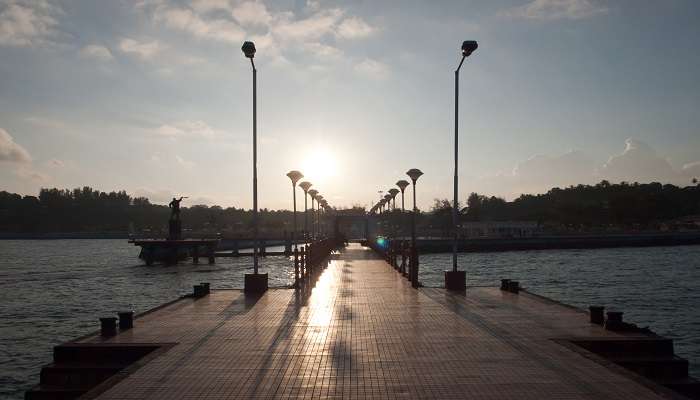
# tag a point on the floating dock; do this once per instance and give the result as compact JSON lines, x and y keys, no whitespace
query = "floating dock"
{"x":363,"y":332}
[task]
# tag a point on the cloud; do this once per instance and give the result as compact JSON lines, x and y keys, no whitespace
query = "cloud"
{"x":542,"y":170}
{"x":372,"y":69}
{"x":312,"y":28}
{"x":691,"y":170}
{"x":96,"y":52}
{"x":55,"y":163}
{"x":556,"y":9}
{"x":186,"y":164}
{"x":27,"y":23}
{"x":29,"y":173}
{"x":252,"y":13}
{"x":164,"y":196}
{"x":639,"y":163}
{"x":354,"y":28}
{"x":188,"y":21}
{"x":11,"y":151}
{"x":189,"y":128}
{"x":206,"y":6}
{"x":144,"y":50}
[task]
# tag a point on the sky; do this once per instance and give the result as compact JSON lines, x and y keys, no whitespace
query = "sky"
{"x":155,"y":96}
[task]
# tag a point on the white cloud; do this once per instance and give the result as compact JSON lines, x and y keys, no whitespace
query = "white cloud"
{"x":312,"y":28}
{"x":188,"y":21}
{"x":205,"y":6}
{"x":11,"y":151}
{"x":252,"y":13}
{"x":323,"y":51}
{"x":691,"y":169}
{"x":188,"y":128}
{"x":29,"y":173}
{"x":144,"y":50}
{"x":557,"y":9}
{"x":27,"y":23}
{"x":96,"y":52}
{"x":372,"y":69}
{"x":353,"y":28}
{"x":186,"y":164}
{"x":638,"y":163}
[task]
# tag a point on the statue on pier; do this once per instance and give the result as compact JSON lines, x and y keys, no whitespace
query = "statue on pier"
{"x":175,"y":225}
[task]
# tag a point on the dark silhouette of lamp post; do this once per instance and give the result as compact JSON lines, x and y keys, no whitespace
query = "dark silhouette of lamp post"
{"x":393,"y":192}
{"x":402,"y":184}
{"x":457,"y":280}
{"x":313,"y":193}
{"x":414,"y":174}
{"x":254,"y":283}
{"x":305,"y":187}
{"x":294,"y":176}
{"x":319,"y":200}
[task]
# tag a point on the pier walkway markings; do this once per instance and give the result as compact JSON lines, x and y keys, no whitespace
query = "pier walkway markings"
{"x":363,"y":332}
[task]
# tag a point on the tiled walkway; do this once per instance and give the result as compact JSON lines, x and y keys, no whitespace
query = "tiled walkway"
{"x":363,"y":332}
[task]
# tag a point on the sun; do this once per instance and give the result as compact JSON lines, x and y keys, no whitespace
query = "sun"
{"x":320,"y":165}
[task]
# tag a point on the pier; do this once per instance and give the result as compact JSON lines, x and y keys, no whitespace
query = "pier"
{"x":360,"y":330}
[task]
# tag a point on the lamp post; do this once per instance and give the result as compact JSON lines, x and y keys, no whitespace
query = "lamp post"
{"x":305,"y":187}
{"x":402,"y":184}
{"x":319,"y":200}
{"x":294,"y":176}
{"x":393,"y":192}
{"x":414,"y":174}
{"x":313,"y":193}
{"x":457,"y":280}
{"x":255,"y":282}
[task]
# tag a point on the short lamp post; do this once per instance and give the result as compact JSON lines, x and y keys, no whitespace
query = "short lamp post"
{"x":457,"y":280}
{"x":294,"y":176}
{"x":313,"y":193}
{"x":319,"y":201}
{"x":414,"y":174}
{"x":255,"y":282}
{"x":305,"y":186}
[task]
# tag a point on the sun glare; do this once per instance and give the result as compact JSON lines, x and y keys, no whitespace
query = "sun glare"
{"x":320,"y":165}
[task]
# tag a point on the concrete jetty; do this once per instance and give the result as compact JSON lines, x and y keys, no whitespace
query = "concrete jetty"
{"x":363,"y":332}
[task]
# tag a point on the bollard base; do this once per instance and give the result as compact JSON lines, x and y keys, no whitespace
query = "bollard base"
{"x":255,"y":283}
{"x":456,"y":280}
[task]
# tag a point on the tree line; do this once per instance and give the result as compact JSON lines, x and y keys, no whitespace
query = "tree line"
{"x":625,"y":205}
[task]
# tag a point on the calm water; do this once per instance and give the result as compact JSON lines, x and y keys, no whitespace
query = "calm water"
{"x":52,"y":291}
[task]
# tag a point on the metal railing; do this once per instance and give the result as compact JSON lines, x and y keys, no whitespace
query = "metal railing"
{"x":400,"y":255}
{"x":309,"y":260}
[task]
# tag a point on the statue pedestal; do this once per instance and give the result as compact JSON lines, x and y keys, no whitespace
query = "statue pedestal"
{"x":175,"y":231}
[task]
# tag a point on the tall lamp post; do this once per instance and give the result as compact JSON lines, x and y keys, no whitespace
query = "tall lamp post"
{"x":294,"y":176}
{"x":313,"y":193}
{"x":305,"y":187}
{"x":255,"y":282}
{"x":457,"y":280}
{"x":393,"y":192}
{"x":402,"y":184}
{"x":414,"y":174}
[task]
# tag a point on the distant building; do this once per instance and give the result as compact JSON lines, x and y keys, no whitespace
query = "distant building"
{"x":502,"y":229}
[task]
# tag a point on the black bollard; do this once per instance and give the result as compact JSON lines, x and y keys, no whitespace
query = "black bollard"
{"x":504,"y":284}
{"x":614,"y":320}
{"x":198,"y":291}
{"x":205,"y":287}
{"x":597,"y":314}
{"x":108,"y":326}
{"x":514,"y":287}
{"x":126,"y":320}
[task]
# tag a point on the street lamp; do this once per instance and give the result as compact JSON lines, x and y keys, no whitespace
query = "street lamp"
{"x":457,"y":280}
{"x":294,"y":176}
{"x":313,"y":193}
{"x":255,"y":282}
{"x":305,"y":187}
{"x":402,"y":184}
{"x":414,"y":174}
{"x":319,"y":200}
{"x":393,"y":192}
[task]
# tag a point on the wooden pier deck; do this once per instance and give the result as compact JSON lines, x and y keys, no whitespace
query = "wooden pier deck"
{"x":363,"y":332}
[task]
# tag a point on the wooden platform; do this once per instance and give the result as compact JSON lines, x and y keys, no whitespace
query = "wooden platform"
{"x":363,"y":332}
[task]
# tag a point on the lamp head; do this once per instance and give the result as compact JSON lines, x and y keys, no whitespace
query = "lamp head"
{"x":295,"y":176}
{"x":394,"y":192}
{"x":319,"y":198}
{"x":313,"y":193}
{"x":402,"y":184}
{"x":248,"y":49}
{"x":414,"y":174}
{"x":305,"y":186}
{"x":468,"y":47}
{"x":387,"y":197}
